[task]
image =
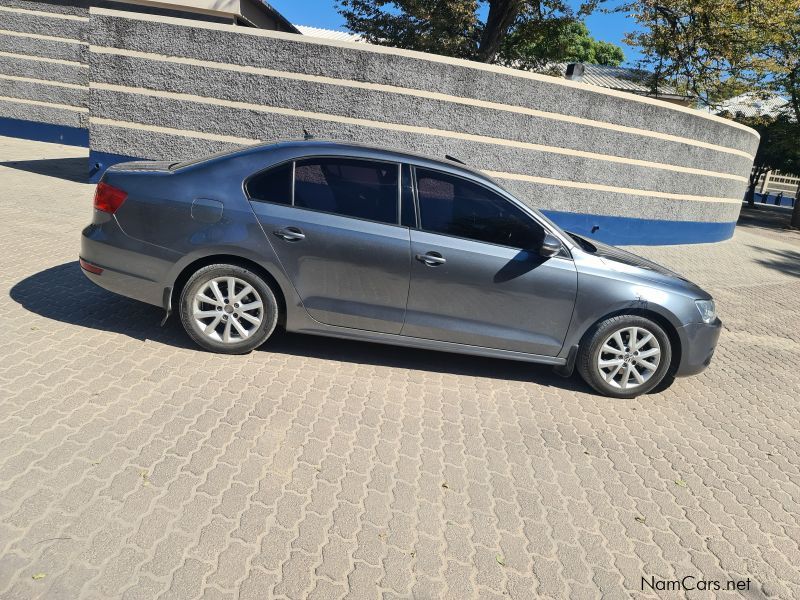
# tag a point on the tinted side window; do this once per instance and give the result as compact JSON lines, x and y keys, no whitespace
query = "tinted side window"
{"x":273,"y":185}
{"x":455,"y":206}
{"x":349,"y":187}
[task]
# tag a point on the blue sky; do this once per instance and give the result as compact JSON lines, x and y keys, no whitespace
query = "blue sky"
{"x":322,"y":13}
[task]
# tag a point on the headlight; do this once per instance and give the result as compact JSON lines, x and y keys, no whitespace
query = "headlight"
{"x":708,"y":311}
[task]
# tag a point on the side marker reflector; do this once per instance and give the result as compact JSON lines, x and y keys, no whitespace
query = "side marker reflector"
{"x":87,"y":266}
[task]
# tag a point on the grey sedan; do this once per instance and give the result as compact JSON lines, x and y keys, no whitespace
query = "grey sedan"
{"x":364,"y":243}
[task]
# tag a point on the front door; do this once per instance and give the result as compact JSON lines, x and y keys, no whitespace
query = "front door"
{"x":477,"y":277}
{"x":337,"y":237}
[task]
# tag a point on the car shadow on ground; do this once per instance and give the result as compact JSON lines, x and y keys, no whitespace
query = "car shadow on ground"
{"x":63,"y":294}
{"x":384,"y":355}
{"x":71,"y":169}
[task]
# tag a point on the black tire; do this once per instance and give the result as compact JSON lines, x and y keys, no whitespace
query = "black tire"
{"x":257,"y":335}
{"x":592,"y":345}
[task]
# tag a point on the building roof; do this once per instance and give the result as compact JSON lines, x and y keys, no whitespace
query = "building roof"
{"x":283,"y":22}
{"x":256,"y":13}
{"x":752,"y":104}
{"x":621,"y":78}
{"x":328,"y":34}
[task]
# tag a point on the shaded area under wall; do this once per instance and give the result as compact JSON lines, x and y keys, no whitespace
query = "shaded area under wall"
{"x":70,"y":169}
{"x":769,"y":221}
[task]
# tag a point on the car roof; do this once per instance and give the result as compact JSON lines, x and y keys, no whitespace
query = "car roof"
{"x":314,"y":146}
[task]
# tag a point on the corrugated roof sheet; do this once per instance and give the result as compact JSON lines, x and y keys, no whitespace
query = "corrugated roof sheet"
{"x":328,"y":34}
{"x":751,"y":104}
{"x":618,"y":78}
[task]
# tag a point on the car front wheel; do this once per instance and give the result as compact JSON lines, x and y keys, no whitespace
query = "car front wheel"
{"x":625,"y":356}
{"x":228,"y":309}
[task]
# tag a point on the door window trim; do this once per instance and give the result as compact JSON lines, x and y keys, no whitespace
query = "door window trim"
{"x":414,"y":198}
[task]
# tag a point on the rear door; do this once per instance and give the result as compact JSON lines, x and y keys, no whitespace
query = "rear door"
{"x":477,"y":276}
{"x":334,"y":224}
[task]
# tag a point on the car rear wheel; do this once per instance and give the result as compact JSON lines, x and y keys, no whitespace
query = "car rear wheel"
{"x":625,"y":356}
{"x":228,"y":309}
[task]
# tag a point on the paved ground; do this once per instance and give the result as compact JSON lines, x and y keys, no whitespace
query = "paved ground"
{"x":132,"y":465}
{"x":770,"y":221}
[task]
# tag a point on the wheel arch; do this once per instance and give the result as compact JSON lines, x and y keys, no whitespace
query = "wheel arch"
{"x":229,"y":259}
{"x":659,"y":319}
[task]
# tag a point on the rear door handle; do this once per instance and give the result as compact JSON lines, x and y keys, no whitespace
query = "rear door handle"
{"x":432,"y":259}
{"x":290,"y":234}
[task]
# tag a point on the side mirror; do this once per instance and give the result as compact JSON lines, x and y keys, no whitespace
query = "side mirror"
{"x":550,"y":246}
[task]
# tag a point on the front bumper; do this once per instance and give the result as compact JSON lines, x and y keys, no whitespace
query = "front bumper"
{"x":698,"y":342}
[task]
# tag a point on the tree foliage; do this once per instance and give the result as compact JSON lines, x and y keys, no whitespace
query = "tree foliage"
{"x":715,"y":49}
{"x":522,"y":33}
{"x":533,"y":47}
{"x":779,"y":60}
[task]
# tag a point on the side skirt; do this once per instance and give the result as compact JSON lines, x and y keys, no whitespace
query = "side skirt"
{"x":424,"y":344}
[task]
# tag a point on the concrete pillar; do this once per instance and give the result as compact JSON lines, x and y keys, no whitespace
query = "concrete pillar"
{"x":765,"y":183}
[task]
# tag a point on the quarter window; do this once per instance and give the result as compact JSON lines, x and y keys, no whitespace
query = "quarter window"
{"x":349,"y":187}
{"x":273,"y":185}
{"x":455,"y":206}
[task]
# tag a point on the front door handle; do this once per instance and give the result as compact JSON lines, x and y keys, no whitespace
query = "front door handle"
{"x":290,"y":234}
{"x":432,"y":259}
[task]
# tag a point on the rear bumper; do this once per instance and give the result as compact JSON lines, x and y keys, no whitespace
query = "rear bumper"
{"x":699,"y":340}
{"x":129,"y":267}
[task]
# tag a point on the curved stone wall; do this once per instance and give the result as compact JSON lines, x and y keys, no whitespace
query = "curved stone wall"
{"x":623,"y":168}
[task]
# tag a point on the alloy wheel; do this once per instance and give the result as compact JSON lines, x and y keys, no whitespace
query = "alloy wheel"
{"x":227,"y":309}
{"x":629,"y":357}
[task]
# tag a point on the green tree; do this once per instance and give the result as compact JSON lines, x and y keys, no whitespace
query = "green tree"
{"x":697,"y":46}
{"x":778,"y":62}
{"x":521,"y":33}
{"x":450,"y":28}
{"x":533,"y":46}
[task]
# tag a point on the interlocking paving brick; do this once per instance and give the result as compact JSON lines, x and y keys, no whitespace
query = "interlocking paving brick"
{"x":133,"y":465}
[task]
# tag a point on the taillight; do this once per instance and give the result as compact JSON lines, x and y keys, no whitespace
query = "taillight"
{"x":108,"y":198}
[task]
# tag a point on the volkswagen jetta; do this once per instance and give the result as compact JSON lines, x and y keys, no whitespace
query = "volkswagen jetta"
{"x":364,"y":243}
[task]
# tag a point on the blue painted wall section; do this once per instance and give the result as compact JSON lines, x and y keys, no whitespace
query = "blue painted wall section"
{"x":44,"y":132}
{"x":621,"y":231}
